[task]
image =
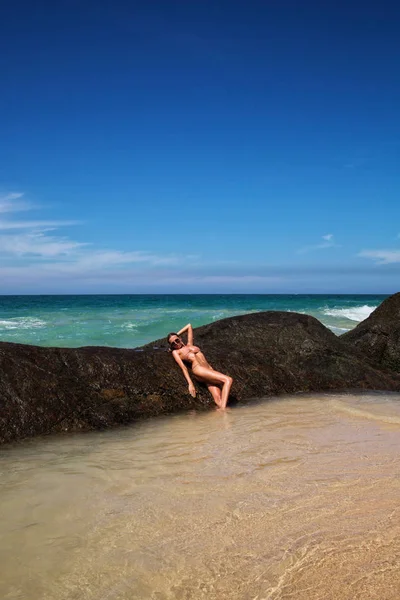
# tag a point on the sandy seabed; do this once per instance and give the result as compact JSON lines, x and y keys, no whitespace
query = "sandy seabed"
{"x":290,"y":498}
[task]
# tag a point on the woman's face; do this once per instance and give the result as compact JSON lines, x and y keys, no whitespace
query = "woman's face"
{"x":175,"y":342}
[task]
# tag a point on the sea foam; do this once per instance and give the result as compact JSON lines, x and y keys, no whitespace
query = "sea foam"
{"x":355,"y":313}
{"x":22,"y":323}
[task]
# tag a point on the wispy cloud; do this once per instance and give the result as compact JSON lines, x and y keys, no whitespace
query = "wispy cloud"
{"x":10,"y":203}
{"x":34,"y":254}
{"x":381,"y":257}
{"x":8,"y":225}
{"x":33,"y":238}
{"x":15,"y":203}
{"x":48,"y":252}
{"x":328,"y":242}
{"x":106,"y":259}
{"x":37,"y":244}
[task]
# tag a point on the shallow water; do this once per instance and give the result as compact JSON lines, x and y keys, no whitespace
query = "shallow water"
{"x":295,"y":498}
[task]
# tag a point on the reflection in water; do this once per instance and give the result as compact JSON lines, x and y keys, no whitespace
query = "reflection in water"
{"x":294,"y":498}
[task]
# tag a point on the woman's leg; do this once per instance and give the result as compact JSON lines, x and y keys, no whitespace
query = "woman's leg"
{"x":213,"y":377}
{"x":215,"y":392}
{"x":225,"y":391}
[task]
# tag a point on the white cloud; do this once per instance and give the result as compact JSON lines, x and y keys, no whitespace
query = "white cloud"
{"x":11,"y":203}
{"x":382,"y":257}
{"x":328,"y":242}
{"x":33,"y":240}
{"x":106,"y":259}
{"x":37,"y":244}
{"x":33,"y":255}
{"x":56,"y":254}
{"x":39,"y":225}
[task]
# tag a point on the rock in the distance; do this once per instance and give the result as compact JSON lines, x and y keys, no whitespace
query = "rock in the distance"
{"x":378,"y":337}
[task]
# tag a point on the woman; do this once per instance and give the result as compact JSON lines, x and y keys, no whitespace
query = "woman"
{"x":200,"y":368}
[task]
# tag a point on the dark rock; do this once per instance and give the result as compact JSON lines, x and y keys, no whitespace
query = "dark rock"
{"x":45,"y":390}
{"x":378,"y":337}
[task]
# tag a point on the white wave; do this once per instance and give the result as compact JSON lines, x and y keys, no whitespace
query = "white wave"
{"x":218,"y":316}
{"x":22,"y":323}
{"x":355,"y":313}
{"x":129,"y":326}
{"x":338,"y":330}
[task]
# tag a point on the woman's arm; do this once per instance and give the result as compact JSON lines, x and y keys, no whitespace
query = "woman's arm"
{"x":189,"y":329}
{"x":192,"y":389}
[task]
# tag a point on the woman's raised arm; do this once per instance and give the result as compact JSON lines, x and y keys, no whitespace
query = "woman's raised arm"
{"x":192,"y":389}
{"x":189,"y":329}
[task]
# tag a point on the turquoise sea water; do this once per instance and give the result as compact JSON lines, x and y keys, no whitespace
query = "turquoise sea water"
{"x":132,"y":320}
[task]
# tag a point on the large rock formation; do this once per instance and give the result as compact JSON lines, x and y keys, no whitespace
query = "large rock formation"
{"x":378,"y":337}
{"x":45,"y":390}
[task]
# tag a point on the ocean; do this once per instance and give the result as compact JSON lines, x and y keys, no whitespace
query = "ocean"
{"x":127,"y":321}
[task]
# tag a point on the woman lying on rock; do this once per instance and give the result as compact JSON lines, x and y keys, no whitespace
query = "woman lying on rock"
{"x":201,"y":370}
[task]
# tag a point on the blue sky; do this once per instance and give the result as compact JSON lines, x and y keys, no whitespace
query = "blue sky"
{"x":203,"y":146}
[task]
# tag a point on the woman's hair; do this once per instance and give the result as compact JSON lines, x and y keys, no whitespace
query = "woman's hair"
{"x":169,"y":335}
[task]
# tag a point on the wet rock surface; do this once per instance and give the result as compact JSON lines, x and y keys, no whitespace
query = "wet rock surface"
{"x":47,"y":390}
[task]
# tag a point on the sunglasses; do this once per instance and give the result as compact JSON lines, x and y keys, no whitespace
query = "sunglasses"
{"x":177,"y":340}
